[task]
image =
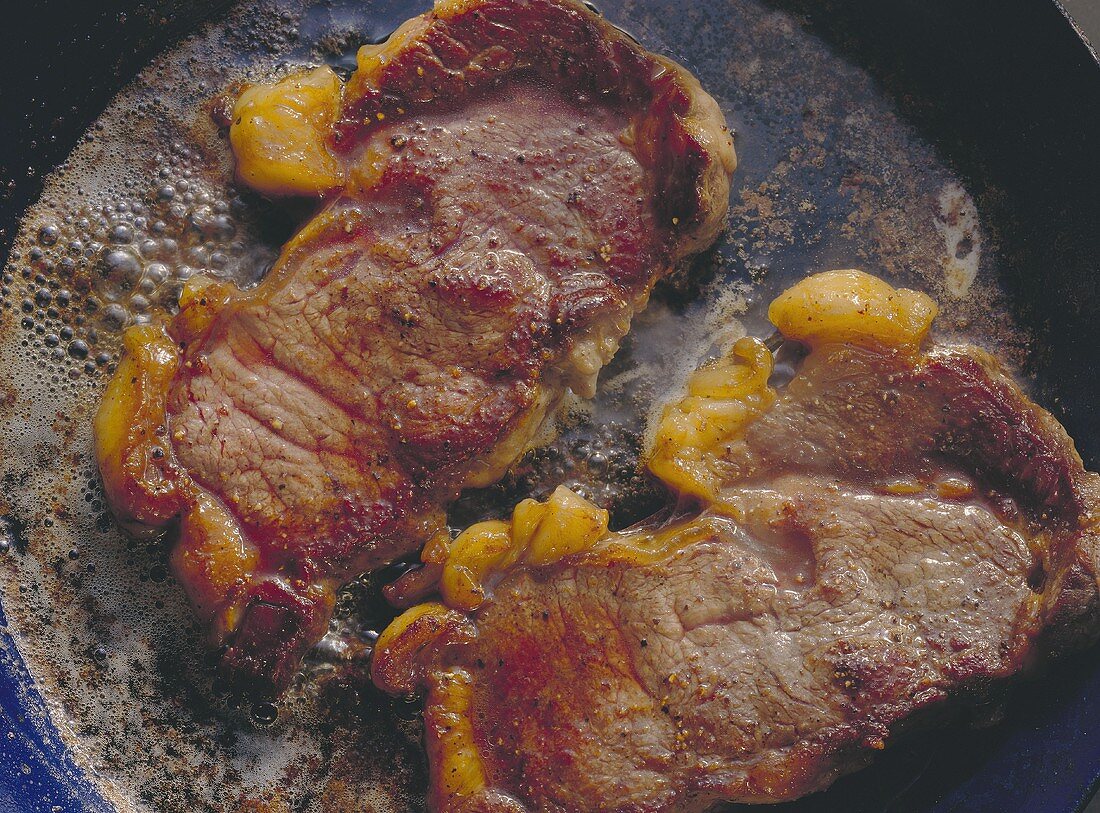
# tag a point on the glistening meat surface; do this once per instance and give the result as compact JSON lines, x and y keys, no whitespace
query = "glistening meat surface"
{"x":896,"y":529}
{"x":503,"y":184}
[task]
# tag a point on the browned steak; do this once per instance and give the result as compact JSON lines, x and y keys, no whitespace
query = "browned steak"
{"x":895,"y":532}
{"x":506,"y":180}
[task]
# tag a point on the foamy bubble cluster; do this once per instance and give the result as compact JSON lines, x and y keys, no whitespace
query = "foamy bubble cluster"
{"x":119,"y":257}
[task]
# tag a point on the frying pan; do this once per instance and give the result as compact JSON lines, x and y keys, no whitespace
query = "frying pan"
{"x":1004,"y":93}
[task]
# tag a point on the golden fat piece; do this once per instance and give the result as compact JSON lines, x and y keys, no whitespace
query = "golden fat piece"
{"x":723,"y":397}
{"x":280,"y":134}
{"x":853,"y":307}
{"x":130,"y":455}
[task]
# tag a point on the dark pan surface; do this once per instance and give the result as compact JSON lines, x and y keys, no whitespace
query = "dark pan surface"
{"x":919,"y":139}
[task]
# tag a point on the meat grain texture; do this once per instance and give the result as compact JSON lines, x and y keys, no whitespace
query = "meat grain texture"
{"x":895,"y":530}
{"x":501,"y":184}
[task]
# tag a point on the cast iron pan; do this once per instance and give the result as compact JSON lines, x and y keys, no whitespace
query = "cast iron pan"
{"x":1007,"y":94}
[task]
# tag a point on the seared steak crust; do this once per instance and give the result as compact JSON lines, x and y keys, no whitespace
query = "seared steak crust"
{"x":512,"y":178}
{"x":895,"y":533}
{"x":466,"y":47}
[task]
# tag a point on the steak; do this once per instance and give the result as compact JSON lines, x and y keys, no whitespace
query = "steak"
{"x":502,"y":183}
{"x":892,"y":532}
